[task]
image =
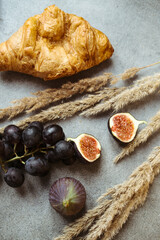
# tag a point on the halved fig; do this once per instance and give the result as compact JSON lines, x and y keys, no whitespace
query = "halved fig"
{"x":87,"y":147}
{"x":123,"y":126}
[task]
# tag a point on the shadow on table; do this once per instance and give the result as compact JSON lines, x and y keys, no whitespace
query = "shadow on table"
{"x":1,"y":178}
{"x":80,"y":168}
{"x":33,"y":181}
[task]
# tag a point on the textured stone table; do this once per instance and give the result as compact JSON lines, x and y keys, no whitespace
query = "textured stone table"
{"x":133,"y":28}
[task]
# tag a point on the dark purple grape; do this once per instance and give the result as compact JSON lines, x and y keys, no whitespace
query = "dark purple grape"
{"x":16,"y":164}
{"x":52,"y":134}
{"x":12,"y":134}
{"x":1,"y":136}
{"x":36,"y":124}
{"x":8,"y":151}
{"x":14,"y":177}
{"x":64,"y":149}
{"x":37,"y":165}
{"x":20,"y":149}
{"x":52,"y":156}
{"x":67,"y":196}
{"x":31,"y":136}
{"x":1,"y":148}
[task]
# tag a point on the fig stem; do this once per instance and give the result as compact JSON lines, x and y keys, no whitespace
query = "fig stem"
{"x":142,"y":122}
{"x":69,"y":139}
{"x":66,"y":203}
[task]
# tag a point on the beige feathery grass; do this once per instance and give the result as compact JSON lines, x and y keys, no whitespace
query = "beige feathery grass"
{"x":65,"y":110}
{"x":143,"y":88}
{"x":130,"y":73}
{"x":152,"y":127}
{"x":118,"y":222}
{"x":123,"y":199}
{"x":82,"y":224}
{"x":44,"y":98}
{"x":127,"y":74}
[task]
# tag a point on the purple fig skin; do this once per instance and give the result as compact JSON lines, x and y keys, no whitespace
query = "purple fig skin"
{"x":117,"y":140}
{"x":78,"y":154}
{"x":67,"y":196}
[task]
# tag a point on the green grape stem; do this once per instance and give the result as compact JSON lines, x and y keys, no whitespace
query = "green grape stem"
{"x":26,"y":154}
{"x":2,"y":165}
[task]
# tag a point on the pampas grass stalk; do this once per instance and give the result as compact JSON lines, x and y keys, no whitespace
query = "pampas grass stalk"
{"x":152,"y":127}
{"x":124,"y":199}
{"x":131,"y":72}
{"x":44,"y":98}
{"x":116,"y":215}
{"x":118,"y":222}
{"x":65,"y":110}
{"x":82,"y":224}
{"x":143,"y":88}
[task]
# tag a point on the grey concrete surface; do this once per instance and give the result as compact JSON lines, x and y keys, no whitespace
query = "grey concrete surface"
{"x":133,"y":28}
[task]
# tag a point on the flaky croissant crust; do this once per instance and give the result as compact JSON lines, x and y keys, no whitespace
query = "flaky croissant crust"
{"x":54,"y":44}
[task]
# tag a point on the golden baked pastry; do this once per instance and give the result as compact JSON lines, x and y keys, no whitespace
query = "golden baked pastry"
{"x":54,"y":44}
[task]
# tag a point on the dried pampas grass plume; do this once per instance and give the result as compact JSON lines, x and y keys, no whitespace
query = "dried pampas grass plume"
{"x":130,"y":73}
{"x":87,"y":85}
{"x":68,"y":109}
{"x":51,"y":95}
{"x":122,"y":200}
{"x":143,"y":88}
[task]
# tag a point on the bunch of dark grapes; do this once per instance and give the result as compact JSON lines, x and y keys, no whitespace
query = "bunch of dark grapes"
{"x":32,"y":150}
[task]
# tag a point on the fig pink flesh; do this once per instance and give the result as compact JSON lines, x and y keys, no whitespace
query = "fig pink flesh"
{"x":123,"y":126}
{"x":89,"y":147}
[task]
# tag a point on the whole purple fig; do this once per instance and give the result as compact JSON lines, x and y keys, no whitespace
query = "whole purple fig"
{"x":67,"y":196}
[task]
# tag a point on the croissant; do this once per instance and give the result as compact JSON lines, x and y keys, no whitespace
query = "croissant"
{"x":54,"y":44}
